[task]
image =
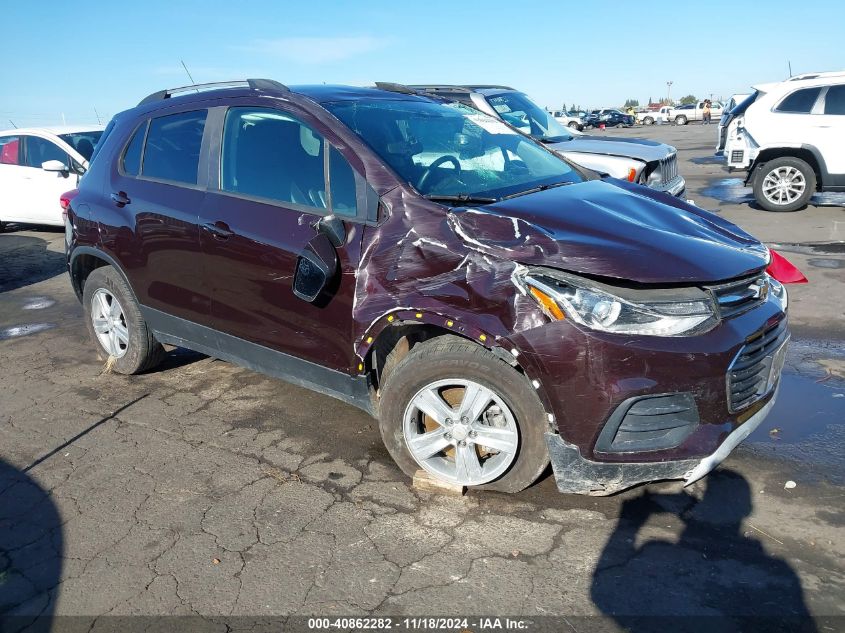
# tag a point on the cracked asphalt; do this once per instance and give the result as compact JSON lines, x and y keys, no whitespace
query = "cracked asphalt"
{"x":203,"y":489}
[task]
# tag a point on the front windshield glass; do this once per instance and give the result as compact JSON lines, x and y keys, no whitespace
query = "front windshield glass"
{"x":83,"y":142}
{"x":525,"y":115}
{"x":452,"y":149}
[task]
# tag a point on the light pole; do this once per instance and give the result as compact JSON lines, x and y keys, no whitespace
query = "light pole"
{"x":668,"y":92}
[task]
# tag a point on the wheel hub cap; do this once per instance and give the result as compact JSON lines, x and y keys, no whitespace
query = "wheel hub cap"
{"x":109,"y":323}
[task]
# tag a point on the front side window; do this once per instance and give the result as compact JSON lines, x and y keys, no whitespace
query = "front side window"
{"x":83,"y":142}
{"x":526,"y":116}
{"x":10,"y":150}
{"x":834,"y":102}
{"x":451,"y":149}
{"x":270,"y":154}
{"x":799,"y":102}
{"x":173,"y":145}
{"x":39,"y":150}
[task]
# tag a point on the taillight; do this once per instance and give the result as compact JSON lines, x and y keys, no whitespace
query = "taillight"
{"x":64,"y":201}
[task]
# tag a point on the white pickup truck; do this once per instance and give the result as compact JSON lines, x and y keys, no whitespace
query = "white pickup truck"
{"x":680,"y":115}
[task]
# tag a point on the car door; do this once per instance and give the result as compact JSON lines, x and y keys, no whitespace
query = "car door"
{"x":829,"y":125}
{"x":39,"y":190}
{"x":153,"y":200}
{"x":12,"y":198}
{"x":271,"y":191}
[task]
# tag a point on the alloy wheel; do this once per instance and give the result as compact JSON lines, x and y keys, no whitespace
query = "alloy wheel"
{"x":784,"y":185}
{"x":461,"y":431}
{"x":109,"y":323}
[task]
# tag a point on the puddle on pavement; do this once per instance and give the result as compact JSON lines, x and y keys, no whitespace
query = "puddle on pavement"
{"x":24,"y":330}
{"x":37,"y":303}
{"x":811,"y":248}
{"x":805,"y":408}
{"x":733,"y":191}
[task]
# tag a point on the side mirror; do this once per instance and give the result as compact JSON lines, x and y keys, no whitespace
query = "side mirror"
{"x":56,"y":166}
{"x":333,"y":228}
{"x":316,"y":268}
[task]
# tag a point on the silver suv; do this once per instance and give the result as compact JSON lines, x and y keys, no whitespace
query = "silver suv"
{"x":636,"y":160}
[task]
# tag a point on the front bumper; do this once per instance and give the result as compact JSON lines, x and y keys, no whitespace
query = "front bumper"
{"x":576,"y":475}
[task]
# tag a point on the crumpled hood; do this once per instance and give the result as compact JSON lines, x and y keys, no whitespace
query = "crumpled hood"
{"x":639,"y":148}
{"x":612,"y":228}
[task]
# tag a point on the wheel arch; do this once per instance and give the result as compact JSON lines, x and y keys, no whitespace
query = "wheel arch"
{"x":808,"y":153}
{"x":84,"y":260}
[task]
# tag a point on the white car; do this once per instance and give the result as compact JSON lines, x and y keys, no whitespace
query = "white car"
{"x":790,"y":137}
{"x":37,"y":165}
{"x":572,"y":121}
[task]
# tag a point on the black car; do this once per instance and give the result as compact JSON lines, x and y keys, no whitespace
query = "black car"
{"x":610,"y":118}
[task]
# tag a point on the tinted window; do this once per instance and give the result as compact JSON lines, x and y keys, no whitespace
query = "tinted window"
{"x":173,"y":147}
{"x":98,"y":146}
{"x":834,"y":102}
{"x":10,"y":150}
{"x":131,"y":162}
{"x":83,"y":142}
{"x":342,"y":182}
{"x":800,"y":102}
{"x":39,"y":150}
{"x":271,"y":154}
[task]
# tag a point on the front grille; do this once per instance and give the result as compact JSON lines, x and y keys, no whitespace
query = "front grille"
{"x":736,"y":297}
{"x":736,"y":156}
{"x":748,"y":375}
{"x":668,"y":169}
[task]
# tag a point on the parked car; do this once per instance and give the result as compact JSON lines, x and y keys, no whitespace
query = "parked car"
{"x":569,"y":119}
{"x":790,"y":139}
{"x":637,"y":160}
{"x":610,"y":118}
{"x":37,"y":165}
{"x":491,"y":304}
{"x":663,"y":115}
{"x":683,"y":114}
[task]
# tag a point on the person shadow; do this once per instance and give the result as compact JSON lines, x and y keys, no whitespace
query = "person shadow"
{"x":31,"y":550}
{"x":715,"y":577}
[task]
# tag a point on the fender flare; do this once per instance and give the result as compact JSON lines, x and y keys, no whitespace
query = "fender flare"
{"x":100,"y":254}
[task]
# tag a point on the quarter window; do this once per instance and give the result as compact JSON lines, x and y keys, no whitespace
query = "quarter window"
{"x":342,"y":184}
{"x":10,"y":147}
{"x":834,"y":102}
{"x":173,"y":145}
{"x":799,"y":102}
{"x":39,"y":150}
{"x":132,"y":156}
{"x":271,"y":154}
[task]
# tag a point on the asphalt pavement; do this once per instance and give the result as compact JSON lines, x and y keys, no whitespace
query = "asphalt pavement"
{"x":203,"y":489}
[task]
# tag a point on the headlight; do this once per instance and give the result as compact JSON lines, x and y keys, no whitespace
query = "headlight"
{"x":778,"y":291}
{"x":650,"y":312}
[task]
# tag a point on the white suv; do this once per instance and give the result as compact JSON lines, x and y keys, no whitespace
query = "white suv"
{"x":790,"y":136}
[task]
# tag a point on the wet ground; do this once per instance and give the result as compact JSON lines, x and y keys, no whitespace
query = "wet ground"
{"x":202,"y":489}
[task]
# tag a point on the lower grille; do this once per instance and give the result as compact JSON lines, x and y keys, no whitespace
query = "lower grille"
{"x":750,"y":372}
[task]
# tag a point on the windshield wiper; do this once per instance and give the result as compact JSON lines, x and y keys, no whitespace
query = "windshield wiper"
{"x":536,"y":189}
{"x":461,"y":197}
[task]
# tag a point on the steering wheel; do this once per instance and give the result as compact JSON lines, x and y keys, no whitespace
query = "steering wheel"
{"x":437,"y":163}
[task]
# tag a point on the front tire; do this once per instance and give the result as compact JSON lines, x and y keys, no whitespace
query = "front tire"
{"x":463,"y":415}
{"x":115,"y":324}
{"x":784,"y":184}
{"x":573,"y":125}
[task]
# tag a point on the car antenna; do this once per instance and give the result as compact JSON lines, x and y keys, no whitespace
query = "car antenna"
{"x":13,"y":124}
{"x":188,"y":72}
{"x":97,"y":114}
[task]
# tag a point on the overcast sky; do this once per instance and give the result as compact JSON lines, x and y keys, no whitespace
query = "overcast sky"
{"x":109,"y":55}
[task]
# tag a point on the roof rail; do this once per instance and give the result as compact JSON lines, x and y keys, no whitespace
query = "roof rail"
{"x":441,"y":88}
{"x":394,"y":87}
{"x":253,"y":84}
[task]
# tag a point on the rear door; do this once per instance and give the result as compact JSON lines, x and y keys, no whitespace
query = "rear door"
{"x":279,"y":175}
{"x":12,"y":198}
{"x":155,"y":193}
{"x":830,"y":123}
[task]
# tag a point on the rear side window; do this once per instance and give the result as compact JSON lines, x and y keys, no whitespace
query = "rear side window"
{"x":39,"y":150}
{"x":10,"y":149}
{"x":834,"y":102}
{"x":799,"y":102}
{"x":271,"y":154}
{"x":131,"y":161}
{"x":173,"y":145}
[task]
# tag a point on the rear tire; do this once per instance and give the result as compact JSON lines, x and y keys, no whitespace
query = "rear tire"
{"x":680,"y":120}
{"x":513,"y":408}
{"x":648,"y":121}
{"x":115,"y":324}
{"x":787,"y":179}
{"x":573,"y":125}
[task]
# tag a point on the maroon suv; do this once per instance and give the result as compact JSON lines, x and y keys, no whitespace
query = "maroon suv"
{"x":492,"y":305}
